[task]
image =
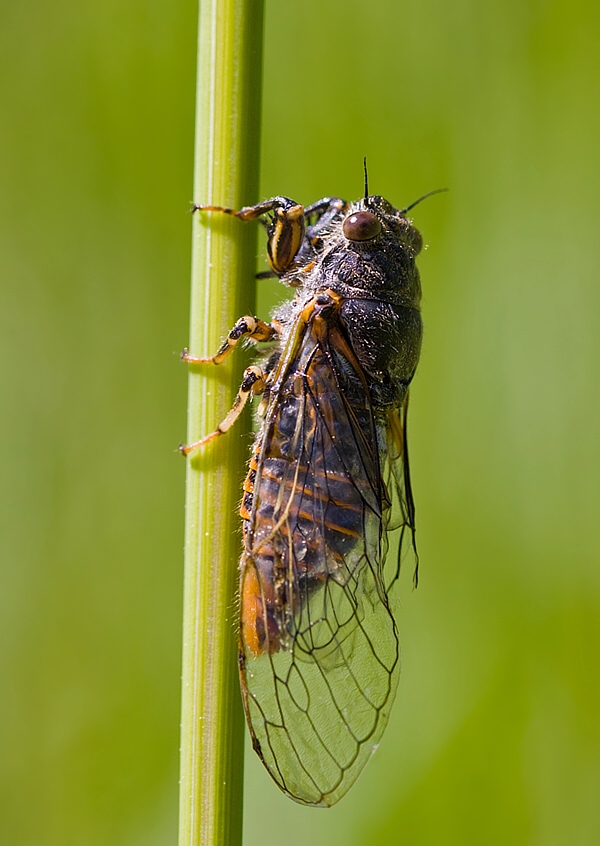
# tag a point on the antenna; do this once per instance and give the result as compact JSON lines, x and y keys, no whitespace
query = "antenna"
{"x":366,"y":179}
{"x":424,"y":197}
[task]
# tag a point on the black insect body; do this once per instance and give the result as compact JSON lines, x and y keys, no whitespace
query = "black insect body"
{"x":327,"y":486}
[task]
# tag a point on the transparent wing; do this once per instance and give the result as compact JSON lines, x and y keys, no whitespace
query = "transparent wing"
{"x":399,"y":517}
{"x":319,"y":653}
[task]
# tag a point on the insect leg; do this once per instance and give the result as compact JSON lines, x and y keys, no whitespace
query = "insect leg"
{"x":286,"y":229}
{"x":325,"y":211}
{"x":246,"y":327}
{"x":252,"y":212}
{"x":253,"y":383}
{"x":325,"y":205}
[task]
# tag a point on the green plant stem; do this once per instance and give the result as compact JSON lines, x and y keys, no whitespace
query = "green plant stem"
{"x":223,"y":266}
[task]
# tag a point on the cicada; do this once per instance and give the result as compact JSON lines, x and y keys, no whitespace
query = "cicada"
{"x":327,"y":508}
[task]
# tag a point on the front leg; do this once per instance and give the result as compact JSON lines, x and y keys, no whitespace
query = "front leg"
{"x":285,"y":230}
{"x":325,"y":209}
{"x":246,"y":327}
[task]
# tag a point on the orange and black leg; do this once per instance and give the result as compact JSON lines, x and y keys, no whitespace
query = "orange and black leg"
{"x":246,"y":327}
{"x":327,"y":208}
{"x":253,"y":383}
{"x":285,"y":229}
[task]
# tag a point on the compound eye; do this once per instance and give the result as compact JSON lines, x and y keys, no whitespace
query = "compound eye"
{"x":361,"y":226}
{"x":415,"y":239}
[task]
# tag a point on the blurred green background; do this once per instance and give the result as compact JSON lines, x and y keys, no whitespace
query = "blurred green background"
{"x":495,"y":736}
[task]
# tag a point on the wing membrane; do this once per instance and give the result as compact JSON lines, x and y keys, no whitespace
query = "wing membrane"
{"x":319,"y":649}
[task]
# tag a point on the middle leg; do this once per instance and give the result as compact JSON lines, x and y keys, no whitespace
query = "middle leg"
{"x":246,"y":327}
